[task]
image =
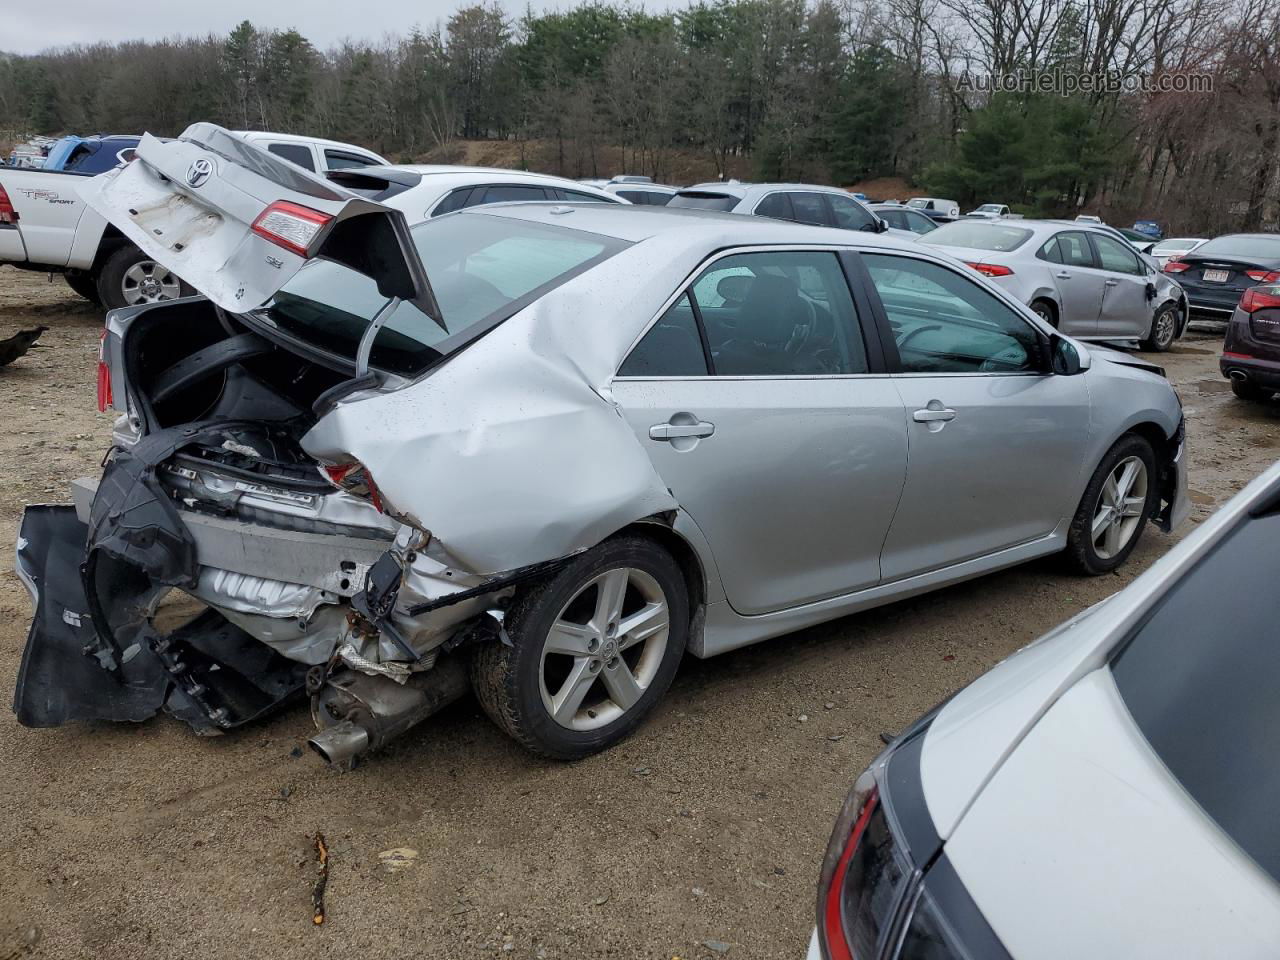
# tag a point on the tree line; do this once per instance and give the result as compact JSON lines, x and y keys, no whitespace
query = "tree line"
{"x":826,"y":90}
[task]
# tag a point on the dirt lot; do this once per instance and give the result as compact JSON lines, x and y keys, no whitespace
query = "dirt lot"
{"x":132,"y":841}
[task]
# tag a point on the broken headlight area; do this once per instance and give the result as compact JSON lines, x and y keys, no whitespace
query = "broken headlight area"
{"x":213,"y":574}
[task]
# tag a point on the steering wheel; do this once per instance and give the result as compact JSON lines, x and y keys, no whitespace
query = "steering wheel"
{"x":799,"y":340}
{"x":1012,"y":357}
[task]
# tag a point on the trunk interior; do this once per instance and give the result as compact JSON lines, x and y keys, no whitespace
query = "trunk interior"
{"x":192,"y":363}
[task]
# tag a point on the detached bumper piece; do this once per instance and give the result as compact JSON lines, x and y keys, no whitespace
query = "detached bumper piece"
{"x":96,"y":650}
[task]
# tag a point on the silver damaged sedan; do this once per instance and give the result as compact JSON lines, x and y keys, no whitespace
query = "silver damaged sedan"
{"x":542,"y":451}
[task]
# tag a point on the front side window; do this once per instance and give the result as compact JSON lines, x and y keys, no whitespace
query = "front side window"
{"x":506,"y":194}
{"x":577,"y":196}
{"x":340,"y":160}
{"x":298,"y":153}
{"x":1200,"y":676}
{"x":780,"y":313}
{"x":1116,"y":256}
{"x":945,"y":323}
{"x":482,"y":269}
{"x":851,"y":215}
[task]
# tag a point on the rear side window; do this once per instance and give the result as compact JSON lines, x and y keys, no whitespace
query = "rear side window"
{"x":454,"y":201}
{"x":298,"y":153}
{"x":811,"y":208}
{"x":101,"y":158}
{"x":774,"y":314}
{"x":575,"y":196}
{"x":341,"y":160}
{"x":671,"y":348}
{"x":1200,"y":679}
{"x":776,"y":205}
{"x":702,"y":200}
{"x":1073,"y":250}
{"x":506,"y":194}
{"x":918,"y":222}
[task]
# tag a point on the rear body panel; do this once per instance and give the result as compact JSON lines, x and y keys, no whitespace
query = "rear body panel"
{"x":49,"y":231}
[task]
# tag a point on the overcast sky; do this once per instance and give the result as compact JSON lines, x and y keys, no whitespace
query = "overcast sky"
{"x":29,"y":27}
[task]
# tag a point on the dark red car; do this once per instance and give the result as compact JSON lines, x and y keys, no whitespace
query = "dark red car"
{"x":1251,"y":351}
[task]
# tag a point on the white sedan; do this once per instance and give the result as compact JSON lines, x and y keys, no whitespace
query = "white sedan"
{"x":1109,"y":791}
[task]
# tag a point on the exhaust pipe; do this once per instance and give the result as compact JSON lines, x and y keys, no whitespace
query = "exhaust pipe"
{"x":356,"y":713}
{"x":1239,"y":376}
{"x":341,"y":743}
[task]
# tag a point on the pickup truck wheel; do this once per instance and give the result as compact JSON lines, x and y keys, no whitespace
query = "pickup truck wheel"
{"x":1164,"y":330}
{"x":129,"y":278}
{"x":593,"y":649}
{"x":85,"y":284}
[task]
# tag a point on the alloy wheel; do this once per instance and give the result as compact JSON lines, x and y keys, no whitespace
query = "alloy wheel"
{"x":148,"y":282}
{"x":1120,"y":508}
{"x":1164,"y":328}
{"x":604,"y":649}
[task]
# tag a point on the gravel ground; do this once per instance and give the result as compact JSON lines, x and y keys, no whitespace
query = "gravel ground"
{"x":708,"y":825}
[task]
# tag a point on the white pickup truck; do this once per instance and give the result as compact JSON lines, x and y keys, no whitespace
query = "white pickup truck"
{"x":994,"y":211}
{"x":45,"y":226}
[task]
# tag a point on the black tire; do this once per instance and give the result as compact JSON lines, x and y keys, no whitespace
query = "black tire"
{"x":84,"y":284}
{"x":1046,"y":311}
{"x":1164,"y":329}
{"x":112,"y":274}
{"x":508,"y":680}
{"x":1082,"y":554}
{"x":1251,"y":392}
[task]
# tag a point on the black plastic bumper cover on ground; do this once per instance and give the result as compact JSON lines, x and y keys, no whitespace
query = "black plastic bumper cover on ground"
{"x":93,"y":652}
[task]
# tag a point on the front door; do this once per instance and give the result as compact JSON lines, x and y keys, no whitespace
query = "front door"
{"x":1126,"y":309}
{"x":995,"y":445}
{"x":759,"y":406}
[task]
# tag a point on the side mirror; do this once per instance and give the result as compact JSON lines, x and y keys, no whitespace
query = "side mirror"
{"x":1064,"y":358}
{"x":881,"y":225}
{"x":1151,"y":291}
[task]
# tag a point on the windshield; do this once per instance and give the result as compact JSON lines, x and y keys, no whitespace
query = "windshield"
{"x":1242,"y":245}
{"x":920,"y":203}
{"x":703,"y":201}
{"x":989,"y":208}
{"x":482,"y":268}
{"x":1200,"y":680}
{"x":979,"y":236}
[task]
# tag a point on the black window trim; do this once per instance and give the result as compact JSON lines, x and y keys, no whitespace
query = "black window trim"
{"x":367,"y":160}
{"x":869,"y":330}
{"x":893,"y":362}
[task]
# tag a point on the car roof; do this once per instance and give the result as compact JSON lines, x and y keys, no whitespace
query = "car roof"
{"x":449,"y":173}
{"x":735,"y":188}
{"x":709,"y":228}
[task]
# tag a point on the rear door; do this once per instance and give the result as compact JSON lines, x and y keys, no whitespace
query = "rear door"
{"x":301,"y":154}
{"x":237,"y":223}
{"x":1079,"y":283}
{"x":776,"y":428}
{"x":1126,"y":309}
{"x":995,"y":444}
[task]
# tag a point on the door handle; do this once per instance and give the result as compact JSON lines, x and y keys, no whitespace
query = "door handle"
{"x":1063,"y":275}
{"x":1112,"y":283}
{"x":679,"y":431}
{"x":929,"y":415}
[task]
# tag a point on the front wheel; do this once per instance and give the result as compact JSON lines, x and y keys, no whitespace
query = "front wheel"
{"x":593,"y":649}
{"x":129,"y":278}
{"x":1117,"y":503}
{"x":1164,"y":329}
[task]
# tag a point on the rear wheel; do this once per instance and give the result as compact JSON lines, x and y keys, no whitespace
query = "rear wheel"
{"x":86,"y":285}
{"x":129,"y":278}
{"x":1164,"y":329}
{"x":1117,"y":503}
{"x":1046,"y":312}
{"x":1249,"y":391}
{"x":593,"y":649}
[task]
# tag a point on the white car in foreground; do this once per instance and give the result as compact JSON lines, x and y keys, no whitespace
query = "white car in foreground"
{"x":1109,"y":791}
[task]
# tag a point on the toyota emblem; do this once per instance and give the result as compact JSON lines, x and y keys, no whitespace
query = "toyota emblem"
{"x":199,"y":171}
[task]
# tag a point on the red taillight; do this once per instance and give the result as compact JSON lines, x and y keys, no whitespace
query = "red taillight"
{"x":1262,"y":276}
{"x":832,"y":921}
{"x":1230,"y":355}
{"x":1176,"y":266}
{"x":1255,"y":298}
{"x":105,"y":400}
{"x":7,"y":213}
{"x":991,"y":269}
{"x":354,"y":478}
{"x":291,"y":226}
